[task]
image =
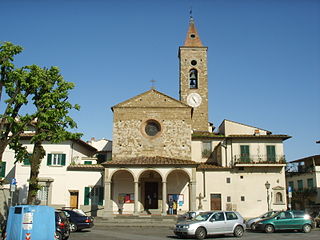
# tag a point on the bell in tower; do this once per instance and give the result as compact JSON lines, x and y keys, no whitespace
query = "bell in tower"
{"x":193,"y":78}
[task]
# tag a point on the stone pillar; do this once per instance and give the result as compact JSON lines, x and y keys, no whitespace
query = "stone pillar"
{"x":192,"y":187}
{"x":108,"y":211}
{"x":164,"y":198}
{"x":136,"y":198}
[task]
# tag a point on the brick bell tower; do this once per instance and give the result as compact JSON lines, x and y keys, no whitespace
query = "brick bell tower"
{"x":194,"y":78}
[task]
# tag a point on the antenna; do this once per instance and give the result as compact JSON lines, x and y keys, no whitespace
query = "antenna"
{"x":152,"y":83}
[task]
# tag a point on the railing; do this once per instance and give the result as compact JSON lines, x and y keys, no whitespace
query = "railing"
{"x":258,"y":159}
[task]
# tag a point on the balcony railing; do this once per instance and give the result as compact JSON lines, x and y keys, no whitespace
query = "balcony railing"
{"x":258,"y":159}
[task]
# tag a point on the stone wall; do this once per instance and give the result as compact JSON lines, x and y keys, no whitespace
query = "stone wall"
{"x":130,"y":139}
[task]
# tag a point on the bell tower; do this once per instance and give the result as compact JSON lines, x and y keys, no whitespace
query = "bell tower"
{"x":194,"y":78}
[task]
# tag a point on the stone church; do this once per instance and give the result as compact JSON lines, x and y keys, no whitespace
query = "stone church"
{"x":165,"y":149}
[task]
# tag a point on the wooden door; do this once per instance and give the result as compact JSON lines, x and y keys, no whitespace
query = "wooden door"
{"x":215,"y":201}
{"x":74,"y":199}
{"x":151,"y":195}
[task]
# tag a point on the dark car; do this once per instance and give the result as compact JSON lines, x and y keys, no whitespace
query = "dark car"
{"x":286,"y":220}
{"x":78,"y":220}
{"x":62,"y":225}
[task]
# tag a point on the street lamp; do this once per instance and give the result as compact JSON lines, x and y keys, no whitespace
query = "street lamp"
{"x":267,"y":184}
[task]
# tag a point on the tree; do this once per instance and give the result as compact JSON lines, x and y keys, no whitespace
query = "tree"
{"x":53,"y":121}
{"x":14,"y":83}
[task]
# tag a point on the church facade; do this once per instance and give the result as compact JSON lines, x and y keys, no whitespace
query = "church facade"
{"x":165,"y":149}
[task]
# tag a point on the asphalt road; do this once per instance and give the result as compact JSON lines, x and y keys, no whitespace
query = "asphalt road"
{"x":157,"y":233}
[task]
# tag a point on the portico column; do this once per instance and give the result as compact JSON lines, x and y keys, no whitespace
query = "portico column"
{"x":107,"y":212}
{"x":164,"y":198}
{"x":136,"y":200}
{"x":193,"y":196}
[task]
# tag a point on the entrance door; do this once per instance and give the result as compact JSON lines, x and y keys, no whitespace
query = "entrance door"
{"x":151,"y":195}
{"x":74,"y":199}
{"x":215,"y":201}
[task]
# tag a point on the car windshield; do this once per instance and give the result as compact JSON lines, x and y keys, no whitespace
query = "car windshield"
{"x":203,"y":216}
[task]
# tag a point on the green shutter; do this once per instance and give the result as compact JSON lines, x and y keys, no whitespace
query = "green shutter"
{"x":101,"y":196}
{"x":310,"y":183}
{"x":87,"y":162}
{"x":3,"y":169}
{"x":271,"y":153}
{"x":63,"y":159}
{"x":86,"y":195}
{"x":26,"y":161}
{"x":49,"y":159}
{"x":245,"y":154}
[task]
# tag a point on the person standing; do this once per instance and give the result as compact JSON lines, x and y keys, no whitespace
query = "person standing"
{"x":170,"y":206}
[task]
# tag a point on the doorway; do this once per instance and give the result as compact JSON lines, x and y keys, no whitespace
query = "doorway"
{"x":151,"y":195}
{"x":74,"y":196}
{"x":215,"y":201}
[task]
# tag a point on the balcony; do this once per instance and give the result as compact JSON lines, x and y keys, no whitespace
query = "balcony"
{"x":258,"y":160}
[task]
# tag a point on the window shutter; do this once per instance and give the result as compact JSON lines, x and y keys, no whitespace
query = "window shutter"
{"x":101,"y":196}
{"x":49,"y":159}
{"x":86,"y":195}
{"x":63,"y":159}
{"x":3,"y":169}
{"x":271,"y":153}
{"x":26,"y":161}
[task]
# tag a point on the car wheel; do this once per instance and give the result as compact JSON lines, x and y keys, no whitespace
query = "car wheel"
{"x":238,"y":231}
{"x":306,"y":228}
{"x":58,"y":236}
{"x":253,"y":227}
{"x":201,"y":233}
{"x":73,"y":227}
{"x":269,"y":228}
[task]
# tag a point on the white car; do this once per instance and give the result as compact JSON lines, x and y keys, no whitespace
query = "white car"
{"x":250,"y":223}
{"x":211,"y":223}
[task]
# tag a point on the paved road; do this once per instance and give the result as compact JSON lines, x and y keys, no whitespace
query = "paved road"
{"x":157,"y":233}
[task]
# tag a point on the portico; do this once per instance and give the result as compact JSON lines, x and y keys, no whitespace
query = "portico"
{"x":143,"y":186}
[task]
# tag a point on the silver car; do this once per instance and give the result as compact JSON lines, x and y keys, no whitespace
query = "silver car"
{"x":250,"y":223}
{"x":210,"y":223}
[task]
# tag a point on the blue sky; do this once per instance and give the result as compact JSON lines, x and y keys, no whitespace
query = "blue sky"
{"x":263,"y":57}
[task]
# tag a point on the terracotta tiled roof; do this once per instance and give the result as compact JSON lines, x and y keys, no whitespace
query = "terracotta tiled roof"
{"x":150,"y":161}
{"x":82,"y":167}
{"x":199,"y":134}
{"x":210,"y":166}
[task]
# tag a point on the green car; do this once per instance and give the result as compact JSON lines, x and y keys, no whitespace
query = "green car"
{"x":286,"y":220}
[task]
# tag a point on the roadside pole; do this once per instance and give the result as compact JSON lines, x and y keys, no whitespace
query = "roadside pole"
{"x":289,"y":197}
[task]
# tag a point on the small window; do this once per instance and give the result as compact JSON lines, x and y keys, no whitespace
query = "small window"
{"x":242,"y":198}
{"x":228,"y":199}
{"x":231,"y":216}
{"x":55,"y":159}
{"x":206,"y":149}
{"x":152,"y":128}
{"x":300,"y":185}
{"x":279,"y":197}
{"x":291,"y":184}
{"x":87,"y":162}
{"x":193,"y":62}
{"x":241,"y":177}
{"x":228,"y":180}
{"x":219,"y":216}
{"x":310,"y":183}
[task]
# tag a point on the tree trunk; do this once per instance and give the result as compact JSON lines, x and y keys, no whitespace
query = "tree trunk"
{"x":3,"y":145}
{"x":35,"y":161}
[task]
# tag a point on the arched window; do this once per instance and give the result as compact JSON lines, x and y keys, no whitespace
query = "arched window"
{"x":279,"y":197}
{"x":193,"y":78}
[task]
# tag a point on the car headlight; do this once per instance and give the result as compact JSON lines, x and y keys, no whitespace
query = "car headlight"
{"x":185,"y":226}
{"x":306,"y":216}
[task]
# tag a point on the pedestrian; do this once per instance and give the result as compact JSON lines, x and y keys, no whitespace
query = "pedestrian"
{"x":175,"y":206}
{"x":170,"y":206}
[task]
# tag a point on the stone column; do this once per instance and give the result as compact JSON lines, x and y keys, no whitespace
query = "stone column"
{"x":192,"y":186}
{"x":107,"y":211}
{"x":164,"y":198}
{"x":136,"y":198}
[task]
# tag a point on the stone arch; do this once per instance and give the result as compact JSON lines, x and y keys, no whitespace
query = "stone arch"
{"x":122,"y":184}
{"x":178,"y":189}
{"x":121,"y":169}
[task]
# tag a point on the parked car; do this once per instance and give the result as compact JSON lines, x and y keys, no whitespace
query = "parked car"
{"x":211,"y":223}
{"x":78,"y":220}
{"x":250,"y":223}
{"x":286,"y":220}
{"x":62,"y":225}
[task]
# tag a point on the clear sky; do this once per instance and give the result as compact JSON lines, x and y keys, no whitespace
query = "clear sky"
{"x":263,"y":57}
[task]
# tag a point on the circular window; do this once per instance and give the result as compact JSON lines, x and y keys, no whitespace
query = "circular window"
{"x":193,"y":62}
{"x":152,"y":128}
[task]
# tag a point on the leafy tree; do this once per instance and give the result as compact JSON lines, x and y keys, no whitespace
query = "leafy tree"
{"x":17,"y":88}
{"x":52,"y":107}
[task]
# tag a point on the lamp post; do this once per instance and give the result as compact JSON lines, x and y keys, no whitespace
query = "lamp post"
{"x":267,"y":185}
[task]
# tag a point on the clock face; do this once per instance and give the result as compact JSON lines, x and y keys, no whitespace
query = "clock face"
{"x":194,"y":99}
